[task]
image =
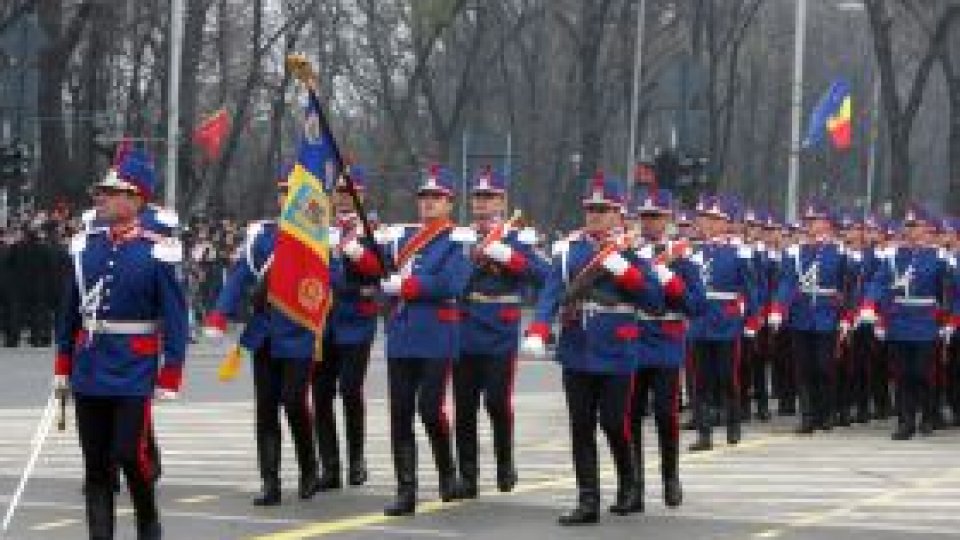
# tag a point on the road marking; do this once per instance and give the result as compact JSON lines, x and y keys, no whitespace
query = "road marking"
{"x":198,"y":499}
{"x":360,"y":521}
{"x":886,"y":498}
{"x":50,"y":525}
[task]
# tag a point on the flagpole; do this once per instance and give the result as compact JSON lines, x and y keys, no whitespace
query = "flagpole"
{"x":793,"y":177}
{"x":173,"y":118}
{"x":302,"y":70}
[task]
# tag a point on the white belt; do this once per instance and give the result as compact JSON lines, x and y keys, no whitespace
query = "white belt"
{"x":593,"y":308}
{"x":915,"y":301}
{"x":120,"y":327}
{"x":817,"y":291}
{"x":481,"y":298}
{"x":644,"y":316}
{"x":719,"y":295}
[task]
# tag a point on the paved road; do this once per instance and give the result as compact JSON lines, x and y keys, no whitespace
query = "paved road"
{"x":853,"y":483}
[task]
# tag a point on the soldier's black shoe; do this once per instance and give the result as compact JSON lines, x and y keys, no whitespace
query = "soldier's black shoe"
{"x":734,"y":434}
{"x":507,"y":480}
{"x":862,"y":417}
{"x":629,"y":501}
{"x":329,"y":481}
{"x":763,"y":415}
{"x":925,"y":428}
{"x":449,"y":488}
{"x":826,"y":424}
{"x":357,"y":476}
{"x":703,"y":444}
{"x":903,"y":433}
{"x":269,"y":496}
{"x":149,"y":531}
{"x":689,"y":425}
{"x":672,"y":493}
{"x":843,"y":419}
{"x":806,"y":428}
{"x":468,"y":489}
{"x":403,"y":505}
{"x":581,"y":515}
{"x":309,"y":487}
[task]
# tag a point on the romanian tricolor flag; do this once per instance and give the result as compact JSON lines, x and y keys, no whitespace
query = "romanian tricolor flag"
{"x":299,"y":280}
{"x":832,"y":115}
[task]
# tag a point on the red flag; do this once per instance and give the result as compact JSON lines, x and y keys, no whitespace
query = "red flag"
{"x":210,"y":134}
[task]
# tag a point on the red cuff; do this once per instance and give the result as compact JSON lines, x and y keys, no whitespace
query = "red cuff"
{"x":867,"y":305}
{"x":775,"y":308}
{"x":631,"y":280}
{"x":955,"y":321}
{"x":368,"y":264}
{"x":62,"y":364}
{"x":410,"y":288}
{"x":540,"y":329}
{"x":517,"y":263}
{"x":170,"y":377}
{"x":753,"y":324}
{"x":216,"y":319}
{"x":675,"y":286}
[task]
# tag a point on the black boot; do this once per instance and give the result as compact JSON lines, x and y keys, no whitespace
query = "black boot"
{"x":586,"y":512}
{"x":302,"y":434}
{"x":628,"y":500}
{"x":355,"y":425}
{"x":670,"y":469}
{"x":467,"y":460}
{"x":405,"y":463}
{"x":268,"y":456}
{"x":734,"y":432}
{"x":503,"y":452}
{"x":806,"y":426}
{"x":100,"y":516}
{"x":329,"y":450}
{"x":704,"y":442}
{"x":143,"y":496}
{"x":905,"y":430}
{"x":449,"y":485}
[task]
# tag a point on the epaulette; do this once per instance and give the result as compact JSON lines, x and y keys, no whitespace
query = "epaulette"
{"x":463,"y":235}
{"x":168,"y":250}
{"x":166,"y":217}
{"x":333,"y":235}
{"x":744,"y":251}
{"x":527,"y":235}
{"x":793,"y":250}
{"x":646,"y":251}
{"x":389,"y":233}
{"x":854,"y":255}
{"x":78,"y":242}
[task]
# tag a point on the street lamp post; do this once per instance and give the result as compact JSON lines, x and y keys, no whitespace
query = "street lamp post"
{"x":793,"y":178}
{"x":173,"y":119}
{"x":635,"y":99}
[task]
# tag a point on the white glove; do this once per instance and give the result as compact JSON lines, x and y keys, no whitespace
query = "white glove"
{"x":947,"y":333}
{"x":775,"y":320}
{"x":749,"y":333}
{"x":498,"y":251}
{"x":866,"y":316}
{"x":212,"y":332}
{"x":164,"y":394}
{"x":353,"y":249}
{"x":880,"y":332}
{"x":391,"y":285}
{"x":844,"y":328}
{"x":663,"y":273}
{"x":616,"y":264}
{"x":61,"y":383}
{"x":533,"y":346}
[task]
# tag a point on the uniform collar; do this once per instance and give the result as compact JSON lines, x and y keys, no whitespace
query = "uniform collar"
{"x":124,"y":232}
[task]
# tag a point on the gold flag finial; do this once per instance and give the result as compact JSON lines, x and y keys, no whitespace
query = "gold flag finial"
{"x":299,"y":66}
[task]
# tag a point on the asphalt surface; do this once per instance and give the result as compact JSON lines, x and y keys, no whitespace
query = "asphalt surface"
{"x":852,"y":483}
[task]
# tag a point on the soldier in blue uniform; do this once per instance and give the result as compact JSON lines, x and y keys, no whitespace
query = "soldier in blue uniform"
{"x":596,"y":283}
{"x":350,"y":331}
{"x":754,"y":368}
{"x":283,"y":361}
{"x":726,"y":266}
{"x":662,"y":343}
{"x":902,"y":299}
{"x":863,"y":348}
{"x":810,"y":301}
{"x":505,"y":265}
{"x":124,"y":306}
{"x":423,"y":333}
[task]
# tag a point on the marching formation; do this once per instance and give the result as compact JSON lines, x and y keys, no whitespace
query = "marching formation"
{"x":838,"y":320}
